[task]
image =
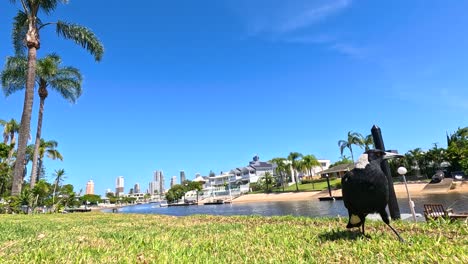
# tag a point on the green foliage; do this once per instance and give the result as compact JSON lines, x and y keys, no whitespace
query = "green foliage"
{"x":178,"y":191}
{"x":343,"y":160}
{"x":102,"y":238}
{"x":90,"y":198}
{"x":457,"y":151}
{"x":265,"y":183}
{"x":175,"y":193}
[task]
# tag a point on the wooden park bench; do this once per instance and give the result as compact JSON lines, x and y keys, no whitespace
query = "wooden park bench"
{"x":435,"y":211}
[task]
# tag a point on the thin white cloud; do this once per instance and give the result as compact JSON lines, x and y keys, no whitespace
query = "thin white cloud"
{"x":441,"y":99}
{"x":348,"y":49}
{"x":312,"y":15}
{"x":280,"y":17}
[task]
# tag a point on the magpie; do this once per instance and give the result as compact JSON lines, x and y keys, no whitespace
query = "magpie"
{"x":366,"y":190}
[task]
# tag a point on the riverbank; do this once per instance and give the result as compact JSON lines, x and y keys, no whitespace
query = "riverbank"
{"x":129,"y":238}
{"x":415,"y":189}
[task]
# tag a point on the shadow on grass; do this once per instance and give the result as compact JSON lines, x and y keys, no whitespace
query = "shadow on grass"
{"x":334,"y":235}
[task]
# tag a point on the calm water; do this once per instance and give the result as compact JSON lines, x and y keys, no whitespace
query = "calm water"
{"x":312,"y":208}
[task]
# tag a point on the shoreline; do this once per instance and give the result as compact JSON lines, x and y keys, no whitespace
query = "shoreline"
{"x":415,"y":189}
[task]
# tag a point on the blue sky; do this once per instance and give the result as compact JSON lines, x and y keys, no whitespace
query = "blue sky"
{"x":206,"y":85}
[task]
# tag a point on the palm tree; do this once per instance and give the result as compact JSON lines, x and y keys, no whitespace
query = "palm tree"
{"x":26,"y":28}
{"x":268,"y":178}
{"x":368,"y":142}
{"x":59,"y":176}
{"x":49,"y":148}
{"x":354,"y":138}
{"x":10,"y":128}
{"x":281,"y":168}
{"x":308,"y":162}
{"x":295,"y":165}
{"x":65,"y":80}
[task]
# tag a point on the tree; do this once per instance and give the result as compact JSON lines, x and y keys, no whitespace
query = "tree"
{"x":268,"y":181}
{"x":10,"y":129}
{"x":59,"y":176}
{"x":175,"y":193}
{"x":293,"y":157}
{"x":41,"y":192}
{"x":64,"y":80}
{"x":26,"y":28}
{"x":49,"y":148}
{"x":354,"y":138}
{"x":308,"y":162}
{"x":368,"y":142}
{"x":343,"y":160}
{"x":5,"y":168}
{"x":281,"y":168}
{"x":457,"y":150}
{"x":90,"y":198}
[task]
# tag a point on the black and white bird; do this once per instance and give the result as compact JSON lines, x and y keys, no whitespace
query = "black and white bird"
{"x":366,"y":190}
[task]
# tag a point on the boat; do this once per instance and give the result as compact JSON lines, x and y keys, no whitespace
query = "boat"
{"x":163,"y":204}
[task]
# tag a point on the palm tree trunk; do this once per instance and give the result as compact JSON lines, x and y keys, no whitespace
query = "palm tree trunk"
{"x":295,"y":179}
{"x":27,"y":111}
{"x":12,"y":144}
{"x":43,"y":96}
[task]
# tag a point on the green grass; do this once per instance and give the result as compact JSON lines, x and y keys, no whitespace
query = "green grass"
{"x":123,"y":238}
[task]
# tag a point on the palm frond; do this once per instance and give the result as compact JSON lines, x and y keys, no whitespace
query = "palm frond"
{"x":81,"y":36}
{"x":13,"y":76}
{"x":47,"y":6}
{"x":18,"y":34}
{"x":67,"y":82}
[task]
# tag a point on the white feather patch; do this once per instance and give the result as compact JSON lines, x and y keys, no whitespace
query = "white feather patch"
{"x":355,"y":219}
{"x":362,"y":161}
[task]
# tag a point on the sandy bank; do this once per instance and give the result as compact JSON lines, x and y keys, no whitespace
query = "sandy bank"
{"x":415,"y":189}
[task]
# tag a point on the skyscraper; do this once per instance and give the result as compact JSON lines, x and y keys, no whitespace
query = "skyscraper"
{"x":136,"y":188}
{"x":182,"y":176}
{"x":173,"y":181}
{"x":90,"y":187}
{"x":119,"y":185}
{"x":159,"y":181}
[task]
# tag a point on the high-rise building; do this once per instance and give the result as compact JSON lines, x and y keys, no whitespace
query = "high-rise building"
{"x":173,"y":181}
{"x":90,"y":187}
{"x":182,"y":176}
{"x":136,"y":188}
{"x":152,"y":187}
{"x":159,"y":181}
{"x":119,"y":186}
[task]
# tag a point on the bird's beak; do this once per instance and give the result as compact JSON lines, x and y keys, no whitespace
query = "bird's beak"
{"x":391,"y":155}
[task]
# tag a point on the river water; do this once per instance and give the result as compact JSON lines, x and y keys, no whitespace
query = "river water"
{"x":310,"y":208}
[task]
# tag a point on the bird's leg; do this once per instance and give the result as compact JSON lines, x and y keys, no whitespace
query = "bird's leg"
{"x":396,"y":233}
{"x":364,"y":234}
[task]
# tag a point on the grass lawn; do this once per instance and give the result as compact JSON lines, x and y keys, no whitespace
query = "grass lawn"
{"x":126,"y":238}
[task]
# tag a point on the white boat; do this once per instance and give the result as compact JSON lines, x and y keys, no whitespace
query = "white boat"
{"x":163,"y":203}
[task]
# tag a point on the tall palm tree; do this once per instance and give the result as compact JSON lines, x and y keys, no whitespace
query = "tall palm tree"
{"x":59,"y":176}
{"x":46,"y":148}
{"x":354,"y":138}
{"x":26,"y":28}
{"x":368,"y":142}
{"x":308,"y":162}
{"x":268,"y":178}
{"x":65,"y":80}
{"x":281,"y":168}
{"x":10,"y":128}
{"x":293,"y":157}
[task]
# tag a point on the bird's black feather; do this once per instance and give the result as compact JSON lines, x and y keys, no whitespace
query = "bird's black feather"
{"x":366,"y":191}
